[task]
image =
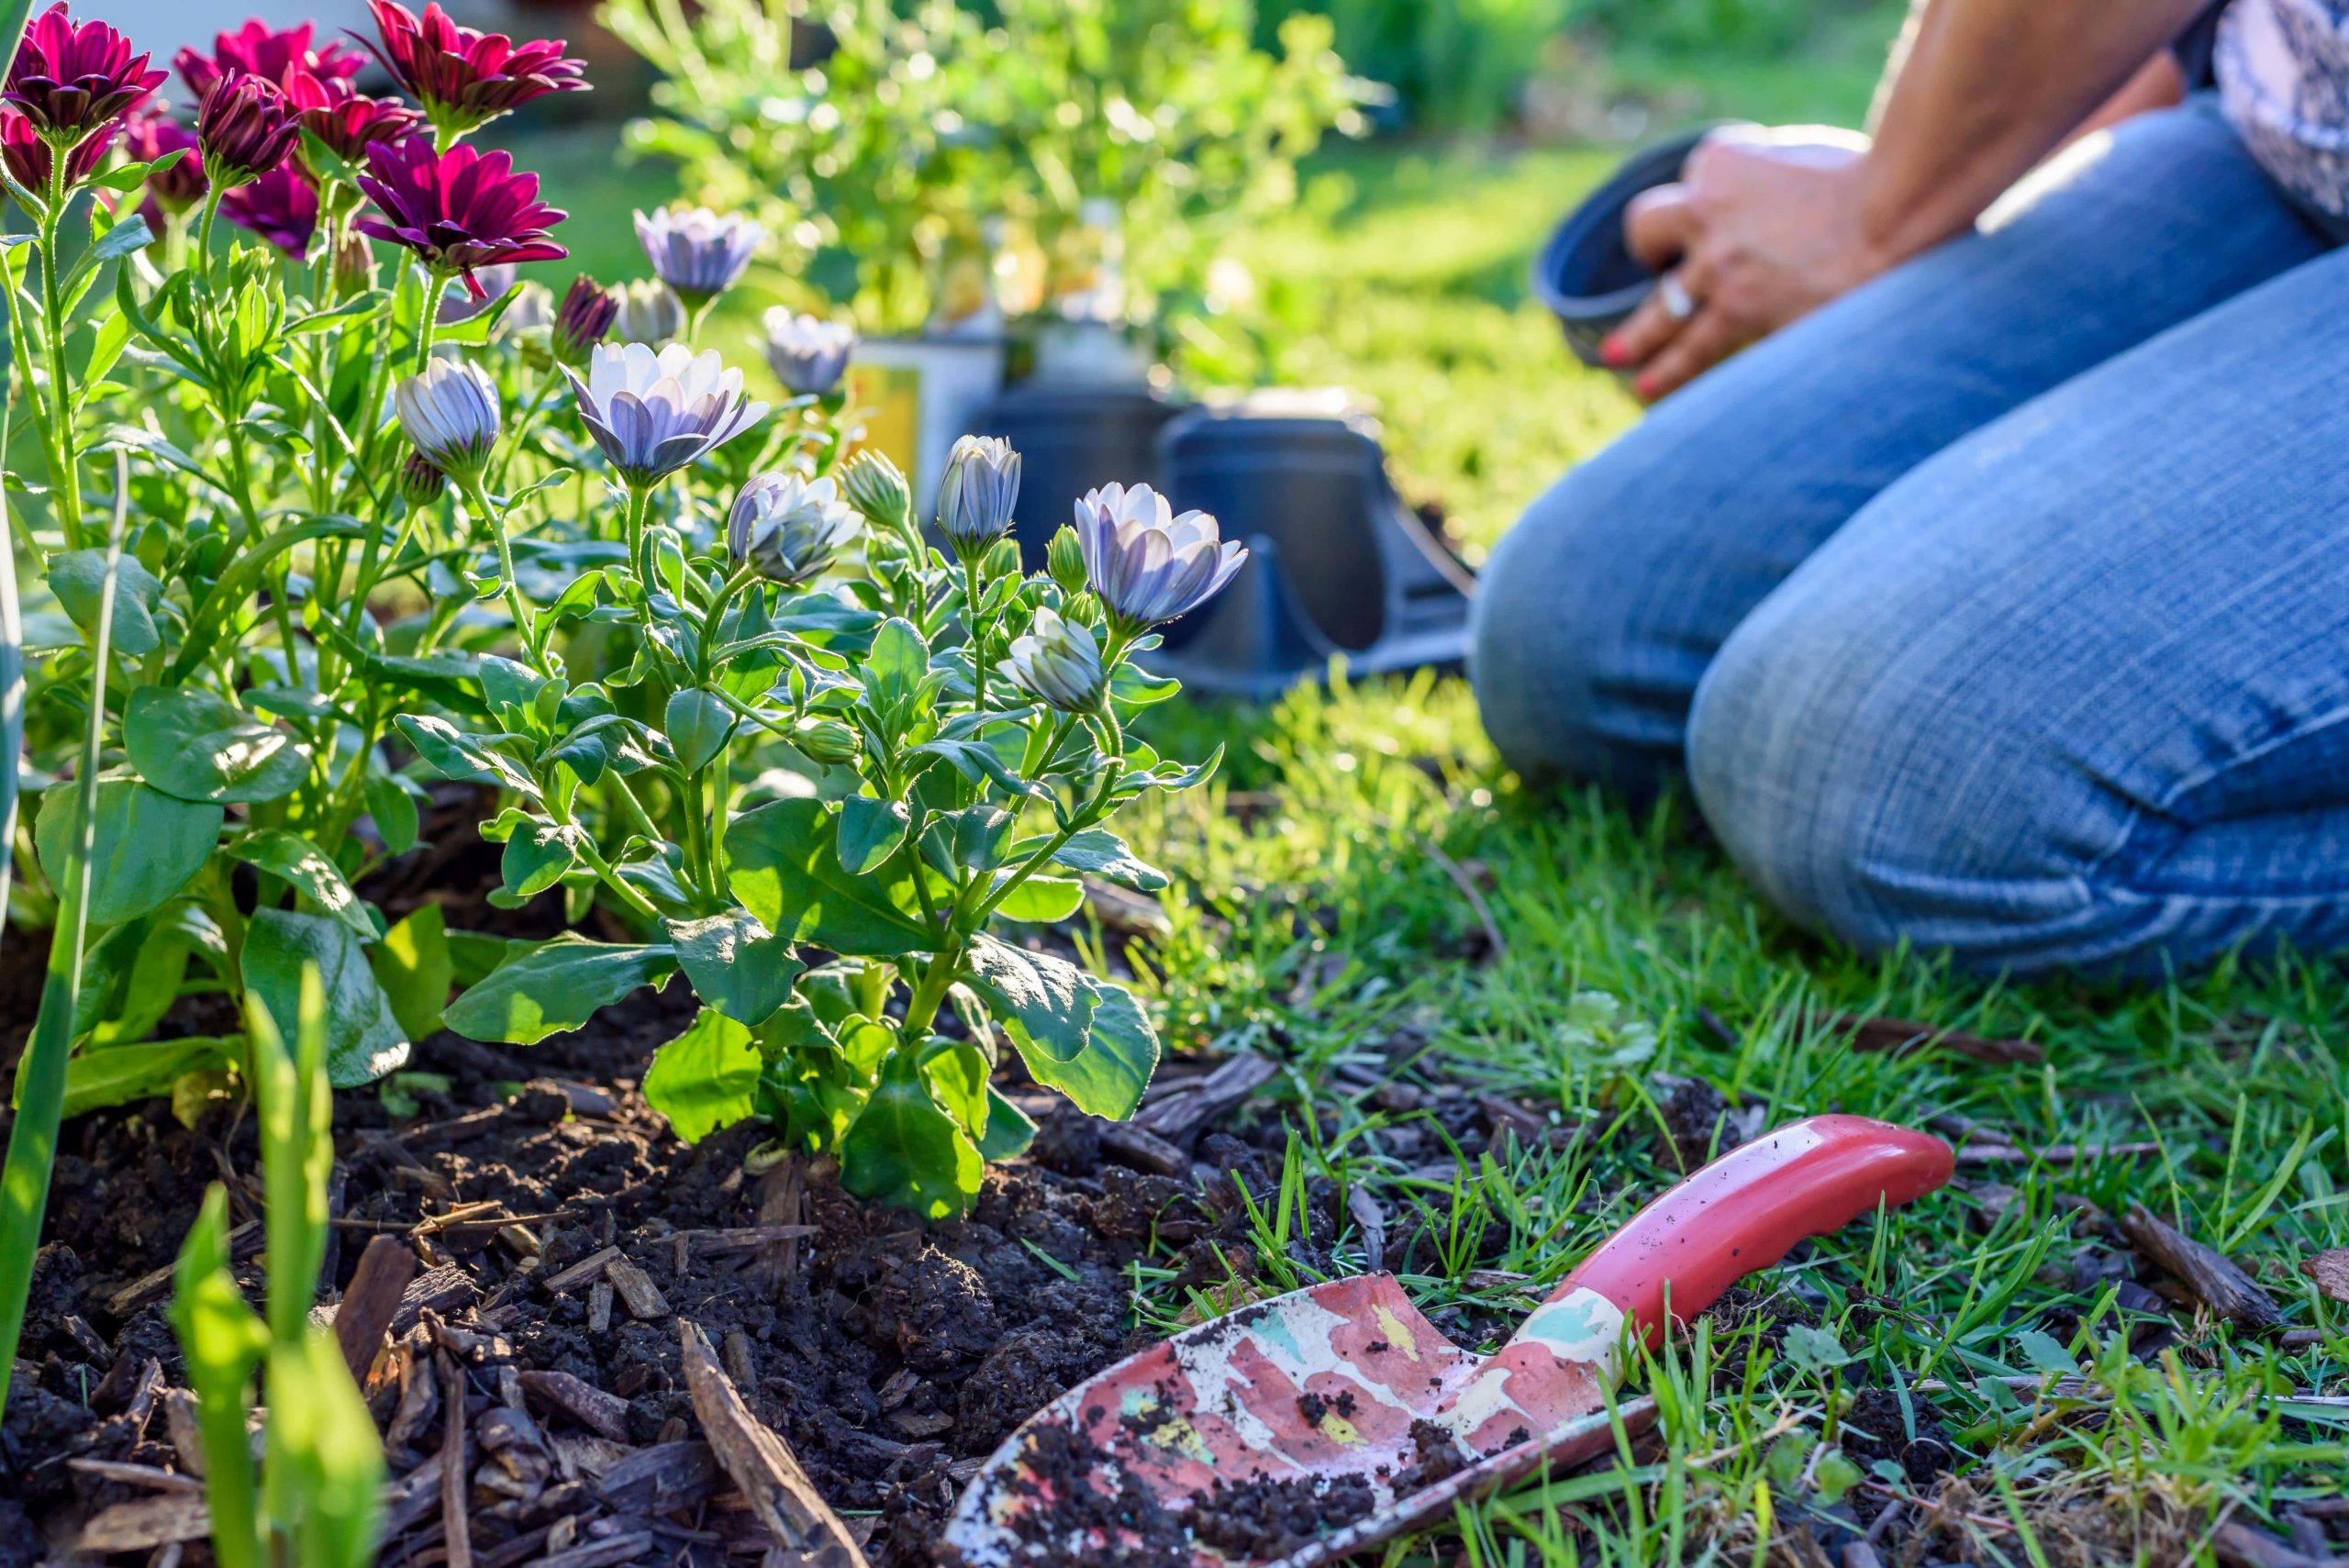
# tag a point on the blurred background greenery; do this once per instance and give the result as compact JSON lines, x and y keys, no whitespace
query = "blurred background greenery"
{"x":1392,"y":263}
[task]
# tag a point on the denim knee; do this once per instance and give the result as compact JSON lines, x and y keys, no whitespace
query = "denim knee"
{"x":1832,"y":778}
{"x":1579,"y":653}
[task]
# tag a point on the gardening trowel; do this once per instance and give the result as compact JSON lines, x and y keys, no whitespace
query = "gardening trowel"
{"x":1343,"y":1404}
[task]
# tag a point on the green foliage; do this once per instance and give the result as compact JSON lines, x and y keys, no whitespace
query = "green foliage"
{"x":1463,"y":65}
{"x":316,"y":1500}
{"x":943,"y":799}
{"x":935,"y":131}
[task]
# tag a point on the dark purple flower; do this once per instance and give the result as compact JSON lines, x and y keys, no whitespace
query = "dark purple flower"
{"x":246,"y":128}
{"x":459,"y":209}
{"x":152,"y":134}
{"x":282,"y":206}
{"x":462,"y":77}
{"x":27,"y":156}
{"x":258,"y":50}
{"x":581,"y":320}
{"x":69,"y":80}
{"x":347,"y":120}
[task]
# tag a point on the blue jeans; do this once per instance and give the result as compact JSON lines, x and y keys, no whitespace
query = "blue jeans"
{"x":2001,"y":606}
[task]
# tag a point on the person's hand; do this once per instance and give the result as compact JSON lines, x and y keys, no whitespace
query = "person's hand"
{"x":1762,"y":227}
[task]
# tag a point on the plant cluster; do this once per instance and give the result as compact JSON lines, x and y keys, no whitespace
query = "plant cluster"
{"x":914,"y":141}
{"x":338,"y":512}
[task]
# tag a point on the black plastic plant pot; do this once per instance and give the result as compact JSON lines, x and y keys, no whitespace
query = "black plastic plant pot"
{"x":1071,"y":441}
{"x":1586,"y":274}
{"x":1338,"y":565}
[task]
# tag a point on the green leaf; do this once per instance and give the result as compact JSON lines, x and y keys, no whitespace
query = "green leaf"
{"x":364,"y":1040}
{"x":538,"y":855}
{"x":131,"y":976}
{"x":785,"y":869}
{"x":895,"y":671}
{"x":1045,"y":1001}
{"x":393,"y":808}
{"x":2044,"y":1352}
{"x":904,"y":1149}
{"x":1043,"y":900}
{"x":979,"y":763}
{"x":870,"y":832}
{"x":222,"y":1340}
{"x":555,"y":985}
{"x":735,"y":966}
{"x":287,"y":854}
{"x":1009,"y":1131}
{"x":78,"y":576}
{"x":454,"y":754}
{"x":148,"y":845}
{"x":705,"y":1078}
{"x":1100,"y":852}
{"x":118,"y":1074}
{"x":1835,"y":1474}
{"x":958,"y":1082}
{"x":415,"y":967}
{"x":1107,"y":1077}
{"x":973,"y":838}
{"x":325,"y":1475}
{"x":1813,"y":1350}
{"x":197,"y":745}
{"x":698,"y":725}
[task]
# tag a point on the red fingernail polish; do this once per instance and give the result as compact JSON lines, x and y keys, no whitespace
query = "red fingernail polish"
{"x":1611,"y":351}
{"x":1645,"y":387}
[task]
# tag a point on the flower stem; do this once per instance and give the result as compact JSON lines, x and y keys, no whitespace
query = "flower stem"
{"x":428,"y":321}
{"x":67,"y":482}
{"x":971,"y":626}
{"x":525,"y":622}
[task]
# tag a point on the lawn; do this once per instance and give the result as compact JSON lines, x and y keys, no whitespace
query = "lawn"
{"x":1369,"y":897}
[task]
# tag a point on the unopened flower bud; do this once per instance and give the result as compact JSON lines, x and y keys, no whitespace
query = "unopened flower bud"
{"x":582,"y":320}
{"x":978,"y":491}
{"x":1057,"y":661}
{"x":876,"y":488}
{"x":450,"y":411}
{"x":421,"y":483}
{"x":1002,"y":561}
{"x":1064,"y":558}
{"x":826,"y":740}
{"x":1083,"y":609}
{"x":806,"y":354}
{"x":788,"y":527}
{"x":649,"y":312}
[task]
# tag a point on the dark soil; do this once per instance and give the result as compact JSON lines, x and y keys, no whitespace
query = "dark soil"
{"x":894,"y":1357}
{"x":1871,"y":1429}
{"x":1272,"y":1517}
{"x":1075,"y":1471}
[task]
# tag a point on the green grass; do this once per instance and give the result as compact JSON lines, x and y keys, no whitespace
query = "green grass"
{"x":1322,"y":924}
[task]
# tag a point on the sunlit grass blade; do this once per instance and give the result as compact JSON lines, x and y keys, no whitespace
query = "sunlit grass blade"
{"x":40,"y":1077}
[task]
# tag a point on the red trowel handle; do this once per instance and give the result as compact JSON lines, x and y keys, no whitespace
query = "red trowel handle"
{"x":1748,"y":1208}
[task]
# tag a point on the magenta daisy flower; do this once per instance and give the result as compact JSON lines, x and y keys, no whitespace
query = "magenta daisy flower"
{"x":258,"y":50}
{"x":29,"y":156}
{"x":70,"y":79}
{"x":462,"y":76}
{"x":281,"y":207}
{"x":246,"y":128}
{"x":458,"y":210}
{"x":345,"y":119}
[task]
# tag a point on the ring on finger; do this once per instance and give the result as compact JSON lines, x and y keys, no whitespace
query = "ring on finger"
{"x":1674,"y":295}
